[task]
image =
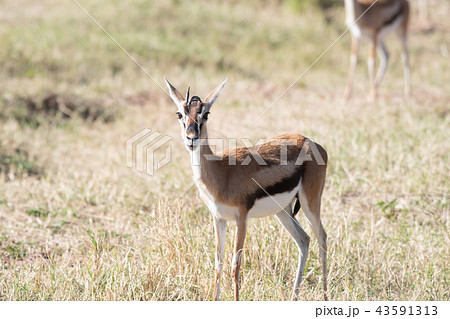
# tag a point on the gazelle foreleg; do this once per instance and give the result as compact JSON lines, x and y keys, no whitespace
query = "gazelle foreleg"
{"x":383,"y":54}
{"x":352,"y":67}
{"x":301,"y":238}
{"x":220,"y":227}
{"x":241,"y":232}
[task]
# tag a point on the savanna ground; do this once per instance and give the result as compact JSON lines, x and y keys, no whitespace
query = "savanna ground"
{"x":77,"y":224}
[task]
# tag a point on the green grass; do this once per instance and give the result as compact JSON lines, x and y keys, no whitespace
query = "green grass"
{"x":77,"y":224}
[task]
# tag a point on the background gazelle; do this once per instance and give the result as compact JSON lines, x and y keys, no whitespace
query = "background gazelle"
{"x":235,"y":192}
{"x":382,"y":18}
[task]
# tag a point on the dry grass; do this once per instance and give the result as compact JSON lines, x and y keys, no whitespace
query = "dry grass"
{"x":77,"y":224}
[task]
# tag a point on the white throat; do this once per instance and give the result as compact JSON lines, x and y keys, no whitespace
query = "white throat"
{"x":196,"y":162}
{"x":349,"y":12}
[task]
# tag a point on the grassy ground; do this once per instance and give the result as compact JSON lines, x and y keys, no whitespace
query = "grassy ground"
{"x":77,"y":224}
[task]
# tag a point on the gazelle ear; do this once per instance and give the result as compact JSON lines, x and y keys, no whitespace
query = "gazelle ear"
{"x":212,"y":97}
{"x":174,"y":94}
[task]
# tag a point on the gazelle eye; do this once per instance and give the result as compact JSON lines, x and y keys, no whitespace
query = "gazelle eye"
{"x":179,"y":115}
{"x":205,"y":117}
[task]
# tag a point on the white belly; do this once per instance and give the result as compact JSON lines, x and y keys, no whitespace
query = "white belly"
{"x":263,"y":207}
{"x":390,"y":28}
{"x":268,"y":206}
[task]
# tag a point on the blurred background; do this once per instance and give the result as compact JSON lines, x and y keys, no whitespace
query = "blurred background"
{"x":77,"y":224}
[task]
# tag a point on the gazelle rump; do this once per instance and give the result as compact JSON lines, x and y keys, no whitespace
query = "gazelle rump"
{"x":286,"y":172}
{"x":381,"y":18}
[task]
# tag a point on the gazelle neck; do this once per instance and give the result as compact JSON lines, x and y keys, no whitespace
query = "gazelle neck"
{"x":205,"y":164}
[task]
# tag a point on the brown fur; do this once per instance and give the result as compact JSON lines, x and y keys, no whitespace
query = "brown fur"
{"x":233,"y":184}
{"x":379,"y":14}
{"x":369,"y":2}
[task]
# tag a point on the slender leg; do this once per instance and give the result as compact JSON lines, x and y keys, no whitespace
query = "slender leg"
{"x":406,"y":70}
{"x":312,"y":213}
{"x":241,"y":231}
{"x":301,"y":238}
{"x":310,"y":195}
{"x":371,"y":67}
{"x":383,"y":54}
{"x":352,"y":68}
{"x":220,"y":226}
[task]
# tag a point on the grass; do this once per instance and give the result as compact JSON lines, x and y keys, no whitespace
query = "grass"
{"x":77,"y":224}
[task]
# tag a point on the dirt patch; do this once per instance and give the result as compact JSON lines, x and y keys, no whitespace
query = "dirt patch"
{"x":54,"y":108}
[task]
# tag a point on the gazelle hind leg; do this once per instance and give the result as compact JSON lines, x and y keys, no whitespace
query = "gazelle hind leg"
{"x":406,"y":70}
{"x":383,"y":54}
{"x":310,"y":194}
{"x":313,"y":216}
{"x":301,"y":238}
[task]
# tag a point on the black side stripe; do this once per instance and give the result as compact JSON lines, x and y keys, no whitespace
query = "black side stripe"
{"x":297,"y":206}
{"x":285,"y":185}
{"x":394,"y":17}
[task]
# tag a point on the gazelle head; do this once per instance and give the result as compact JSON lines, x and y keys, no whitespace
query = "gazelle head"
{"x":193,"y":114}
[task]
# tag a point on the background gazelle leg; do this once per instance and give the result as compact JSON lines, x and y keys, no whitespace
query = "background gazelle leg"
{"x":301,"y":238}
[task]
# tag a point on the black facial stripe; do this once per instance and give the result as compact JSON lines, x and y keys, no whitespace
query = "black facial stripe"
{"x":196,"y":103}
{"x":192,"y":128}
{"x":195,"y":100}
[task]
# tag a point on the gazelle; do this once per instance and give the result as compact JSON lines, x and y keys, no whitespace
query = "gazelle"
{"x":236,"y":190}
{"x":381,"y":18}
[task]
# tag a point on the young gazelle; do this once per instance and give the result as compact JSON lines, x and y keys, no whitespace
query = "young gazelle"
{"x":289,"y":171}
{"x":380,"y":19}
